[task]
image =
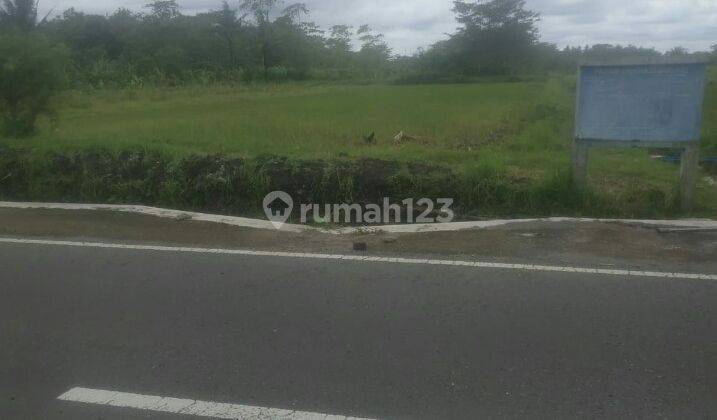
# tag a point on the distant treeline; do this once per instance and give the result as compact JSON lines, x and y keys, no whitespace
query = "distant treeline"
{"x":268,"y":40}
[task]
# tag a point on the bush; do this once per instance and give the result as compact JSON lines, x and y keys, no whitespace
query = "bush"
{"x":278,"y":74}
{"x":32,"y":70}
{"x":236,"y":186}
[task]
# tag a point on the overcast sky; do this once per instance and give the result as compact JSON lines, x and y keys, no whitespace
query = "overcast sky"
{"x":409,"y":24}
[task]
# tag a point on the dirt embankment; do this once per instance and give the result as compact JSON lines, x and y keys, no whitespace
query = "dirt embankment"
{"x":237,"y":186}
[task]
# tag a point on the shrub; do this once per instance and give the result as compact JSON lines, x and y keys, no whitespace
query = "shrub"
{"x":32,"y":70}
{"x":278,"y":74}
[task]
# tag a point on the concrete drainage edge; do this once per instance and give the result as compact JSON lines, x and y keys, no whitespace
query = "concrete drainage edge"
{"x":699,"y":224}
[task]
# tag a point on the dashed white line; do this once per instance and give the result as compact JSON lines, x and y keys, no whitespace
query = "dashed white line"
{"x":189,"y":407}
{"x":474,"y":264}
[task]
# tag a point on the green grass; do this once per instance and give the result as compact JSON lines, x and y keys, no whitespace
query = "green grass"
{"x":521,"y":130}
{"x":298,"y":120}
{"x":709,"y":128}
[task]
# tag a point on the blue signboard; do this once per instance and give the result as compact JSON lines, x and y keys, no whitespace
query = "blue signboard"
{"x":651,"y":103}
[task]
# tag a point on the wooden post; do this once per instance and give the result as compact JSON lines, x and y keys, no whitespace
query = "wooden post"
{"x":688,"y":176}
{"x":580,"y":164}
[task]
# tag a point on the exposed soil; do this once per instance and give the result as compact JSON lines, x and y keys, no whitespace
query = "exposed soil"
{"x":577,"y":244}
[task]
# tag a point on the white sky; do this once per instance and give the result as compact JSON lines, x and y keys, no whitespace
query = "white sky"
{"x":409,"y":24}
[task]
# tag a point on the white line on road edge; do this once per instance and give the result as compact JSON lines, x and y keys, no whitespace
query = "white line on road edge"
{"x":157,"y":212}
{"x":411,"y":228}
{"x":189,"y":407}
{"x":475,"y":264}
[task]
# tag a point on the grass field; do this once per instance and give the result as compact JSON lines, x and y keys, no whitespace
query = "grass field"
{"x":522,"y":130}
{"x":302,"y":121}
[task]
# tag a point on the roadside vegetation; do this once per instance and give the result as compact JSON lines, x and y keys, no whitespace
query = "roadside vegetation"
{"x":217,"y":111}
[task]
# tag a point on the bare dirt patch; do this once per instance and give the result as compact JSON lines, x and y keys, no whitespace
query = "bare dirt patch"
{"x":570,"y":243}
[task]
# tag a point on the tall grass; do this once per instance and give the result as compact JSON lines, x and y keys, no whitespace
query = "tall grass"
{"x":506,"y":145}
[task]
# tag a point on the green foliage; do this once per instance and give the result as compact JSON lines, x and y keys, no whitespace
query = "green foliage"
{"x":709,"y":126}
{"x":18,"y":14}
{"x":499,"y":149}
{"x":216,"y":183}
{"x":500,"y":37}
{"x":374,"y":55}
{"x":248,"y":40}
{"x":277,"y":74}
{"x":32,"y":70}
{"x":163,"y":10}
{"x":497,"y":36}
{"x":260,"y":9}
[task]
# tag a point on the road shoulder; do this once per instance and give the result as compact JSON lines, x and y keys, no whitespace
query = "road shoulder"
{"x":588,"y":244}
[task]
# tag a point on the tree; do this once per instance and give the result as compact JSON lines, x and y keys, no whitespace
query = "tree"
{"x":32,"y":70}
{"x":677,"y":52}
{"x":369,"y":39}
{"x":261,"y":10}
{"x":295,"y":11}
{"x":226,"y":27}
{"x":268,"y":41}
{"x":339,"y":48}
{"x":374,"y":54}
{"x":497,"y":14}
{"x":20,"y":14}
{"x":340,"y":39}
{"x":497,"y":36}
{"x":295,"y":42}
{"x":163,"y":10}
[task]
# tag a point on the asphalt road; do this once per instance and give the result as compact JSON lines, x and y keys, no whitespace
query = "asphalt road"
{"x":366,"y":339}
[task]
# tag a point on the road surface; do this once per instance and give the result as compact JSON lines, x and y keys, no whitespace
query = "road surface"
{"x":370,"y":339}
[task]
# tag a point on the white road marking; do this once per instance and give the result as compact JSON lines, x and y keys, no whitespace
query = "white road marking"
{"x":409,"y":228}
{"x":475,"y":264}
{"x":189,"y":407}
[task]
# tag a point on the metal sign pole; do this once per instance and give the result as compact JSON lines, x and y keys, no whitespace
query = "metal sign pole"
{"x":689,"y":172}
{"x":581,"y":151}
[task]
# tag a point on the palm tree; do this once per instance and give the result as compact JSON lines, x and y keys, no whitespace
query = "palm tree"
{"x":21,"y":14}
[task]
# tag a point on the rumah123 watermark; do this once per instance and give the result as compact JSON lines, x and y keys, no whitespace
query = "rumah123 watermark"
{"x":279,"y":206}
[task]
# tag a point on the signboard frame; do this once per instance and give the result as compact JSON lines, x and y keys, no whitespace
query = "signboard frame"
{"x":689,"y":147}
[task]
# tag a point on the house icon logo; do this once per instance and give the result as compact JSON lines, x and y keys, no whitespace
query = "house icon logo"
{"x":278,"y":206}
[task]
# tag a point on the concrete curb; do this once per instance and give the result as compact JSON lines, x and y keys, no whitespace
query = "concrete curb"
{"x":704,"y":224}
